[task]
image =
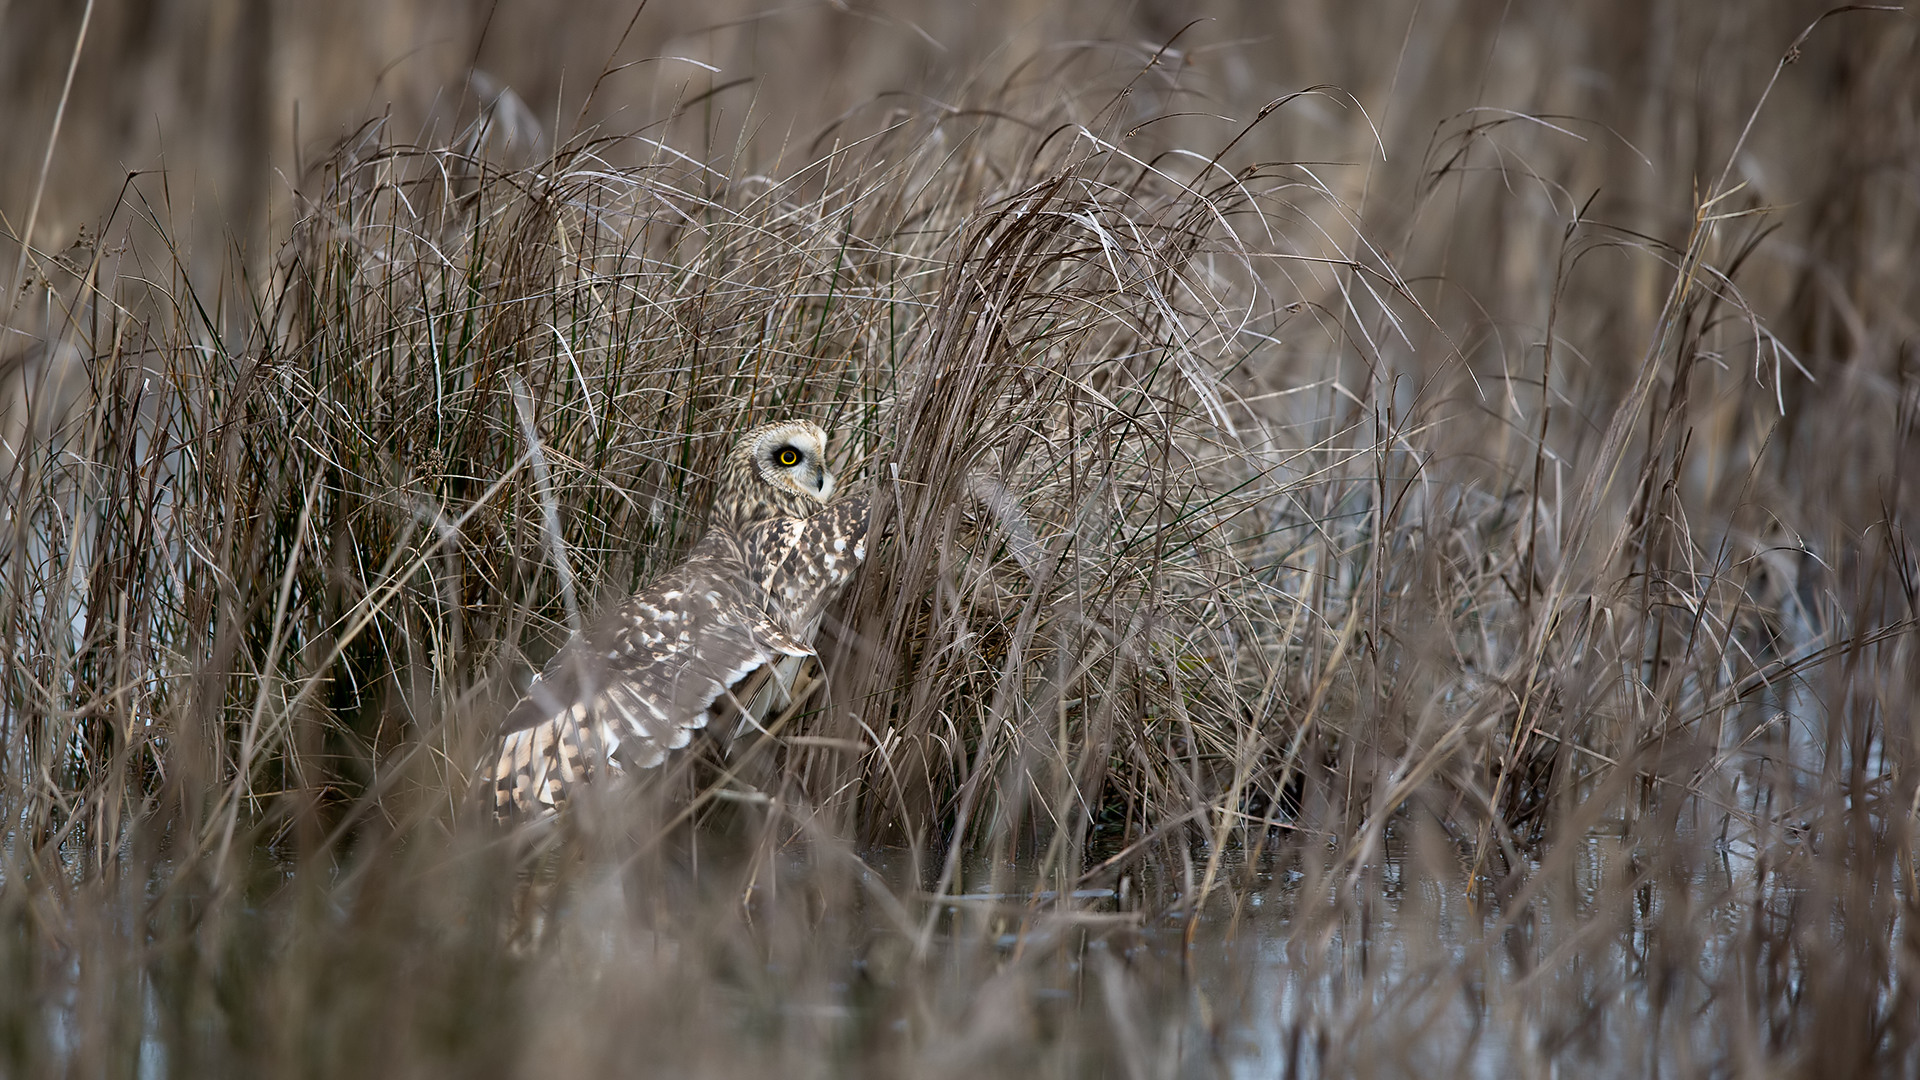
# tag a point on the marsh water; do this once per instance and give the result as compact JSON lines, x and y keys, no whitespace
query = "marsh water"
{"x":1646,"y":948}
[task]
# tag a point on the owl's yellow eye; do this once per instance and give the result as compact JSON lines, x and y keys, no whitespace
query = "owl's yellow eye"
{"x":787,"y":457}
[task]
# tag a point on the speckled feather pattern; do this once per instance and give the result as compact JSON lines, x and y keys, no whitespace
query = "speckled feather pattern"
{"x":656,"y":667}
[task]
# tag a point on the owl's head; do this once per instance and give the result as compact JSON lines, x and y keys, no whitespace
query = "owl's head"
{"x":775,"y":470}
{"x":792,"y":457}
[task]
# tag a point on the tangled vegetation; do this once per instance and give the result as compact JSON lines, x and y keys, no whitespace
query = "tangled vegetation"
{"x":1278,"y":655}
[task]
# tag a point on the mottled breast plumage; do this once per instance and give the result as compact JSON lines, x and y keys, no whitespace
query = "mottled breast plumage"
{"x":724,"y":631}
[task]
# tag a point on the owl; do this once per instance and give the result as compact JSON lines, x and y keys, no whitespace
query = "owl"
{"x":720,"y":634}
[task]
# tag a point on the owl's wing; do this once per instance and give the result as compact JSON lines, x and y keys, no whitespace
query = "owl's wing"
{"x":800,"y":565}
{"x":732,"y":624}
{"x":637,"y":684}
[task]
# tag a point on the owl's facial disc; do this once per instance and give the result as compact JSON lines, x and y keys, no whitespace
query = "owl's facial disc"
{"x":796,"y":459}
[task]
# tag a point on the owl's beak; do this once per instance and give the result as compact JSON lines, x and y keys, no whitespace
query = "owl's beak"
{"x":823,"y":482}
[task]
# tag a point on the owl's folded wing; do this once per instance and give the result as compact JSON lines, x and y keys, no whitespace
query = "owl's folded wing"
{"x":802,"y":564}
{"x":637,"y":685}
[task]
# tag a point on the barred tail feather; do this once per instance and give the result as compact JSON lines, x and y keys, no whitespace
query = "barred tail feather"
{"x":539,"y":765}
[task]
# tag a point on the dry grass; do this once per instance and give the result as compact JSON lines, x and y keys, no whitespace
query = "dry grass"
{"x":1450,"y":611}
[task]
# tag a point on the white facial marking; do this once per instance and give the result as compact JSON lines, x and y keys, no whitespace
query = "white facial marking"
{"x":808,"y":475}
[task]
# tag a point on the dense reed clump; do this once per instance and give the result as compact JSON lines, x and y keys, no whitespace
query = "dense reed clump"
{"x":331,"y":519}
{"x":1268,"y":659}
